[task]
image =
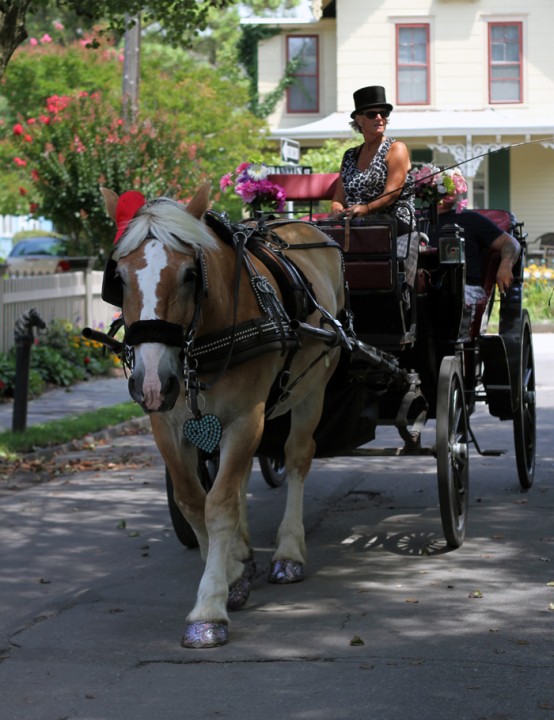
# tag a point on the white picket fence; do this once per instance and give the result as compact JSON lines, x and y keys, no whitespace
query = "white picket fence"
{"x":72,"y":296}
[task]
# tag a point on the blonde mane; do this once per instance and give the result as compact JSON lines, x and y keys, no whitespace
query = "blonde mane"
{"x":167,"y":221}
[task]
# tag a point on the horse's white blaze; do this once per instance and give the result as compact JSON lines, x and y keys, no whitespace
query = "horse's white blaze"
{"x":148,"y":279}
{"x":150,"y":354}
{"x":155,"y":257}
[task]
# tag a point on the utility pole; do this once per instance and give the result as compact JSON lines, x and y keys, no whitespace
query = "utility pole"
{"x":131,"y":69}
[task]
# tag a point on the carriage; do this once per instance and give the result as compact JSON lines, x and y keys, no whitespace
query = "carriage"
{"x":402,"y":350}
{"x":419,"y":355}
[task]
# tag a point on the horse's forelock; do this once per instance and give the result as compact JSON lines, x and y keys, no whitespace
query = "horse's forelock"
{"x":167,"y":221}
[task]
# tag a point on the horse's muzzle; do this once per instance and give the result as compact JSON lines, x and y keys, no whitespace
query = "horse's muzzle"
{"x":159,"y":400}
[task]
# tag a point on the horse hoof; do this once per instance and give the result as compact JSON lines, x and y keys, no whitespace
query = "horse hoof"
{"x":249,"y":568}
{"x":286,"y":571}
{"x":238,"y":593}
{"x":205,"y":634}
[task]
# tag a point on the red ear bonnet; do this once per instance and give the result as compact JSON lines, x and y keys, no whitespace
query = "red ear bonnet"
{"x":127,"y":206}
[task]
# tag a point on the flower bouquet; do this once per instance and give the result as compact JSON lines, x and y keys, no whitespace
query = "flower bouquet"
{"x":252,"y":186}
{"x":433,"y":186}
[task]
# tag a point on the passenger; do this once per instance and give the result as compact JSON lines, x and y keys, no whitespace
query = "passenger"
{"x":480,"y":234}
{"x":374,"y":176}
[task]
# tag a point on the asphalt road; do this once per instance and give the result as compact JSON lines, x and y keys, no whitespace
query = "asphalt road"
{"x":92,"y":612}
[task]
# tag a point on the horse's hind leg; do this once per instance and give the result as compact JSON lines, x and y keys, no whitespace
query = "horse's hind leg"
{"x":241,"y":559}
{"x":288,"y":561}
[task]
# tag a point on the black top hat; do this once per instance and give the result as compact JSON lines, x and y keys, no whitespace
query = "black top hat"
{"x":368,"y":97}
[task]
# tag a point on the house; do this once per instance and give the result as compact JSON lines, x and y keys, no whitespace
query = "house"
{"x":472,"y":82}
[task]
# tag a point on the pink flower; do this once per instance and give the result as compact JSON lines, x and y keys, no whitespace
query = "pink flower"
{"x":19,"y":162}
{"x":225,"y":182}
{"x":28,"y":138}
{"x":31,"y":121}
{"x":46,"y":38}
{"x":34,"y":175}
{"x":58,"y":26}
{"x":18,"y":129}
{"x":33,"y":42}
{"x":242,"y":167}
{"x":22,"y":191}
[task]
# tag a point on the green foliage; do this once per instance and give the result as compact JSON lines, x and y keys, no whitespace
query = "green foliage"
{"x":60,"y":356}
{"x":7,"y":377}
{"x":328,"y":158}
{"x":48,"y":69}
{"x":54,"y":368}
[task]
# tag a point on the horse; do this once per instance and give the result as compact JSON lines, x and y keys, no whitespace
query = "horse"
{"x":197,"y":308}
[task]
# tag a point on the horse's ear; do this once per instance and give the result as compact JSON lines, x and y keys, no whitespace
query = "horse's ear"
{"x":200,"y":201}
{"x":110,"y":201}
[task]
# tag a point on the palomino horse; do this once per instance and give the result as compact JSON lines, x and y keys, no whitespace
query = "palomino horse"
{"x":185,"y":291}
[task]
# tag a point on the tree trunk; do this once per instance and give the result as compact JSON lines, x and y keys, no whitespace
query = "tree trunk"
{"x":12,"y":29}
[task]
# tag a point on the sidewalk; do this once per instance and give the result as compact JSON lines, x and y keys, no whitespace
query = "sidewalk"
{"x":61,"y":402}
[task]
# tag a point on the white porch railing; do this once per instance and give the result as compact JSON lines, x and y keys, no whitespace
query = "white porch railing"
{"x":72,"y":296}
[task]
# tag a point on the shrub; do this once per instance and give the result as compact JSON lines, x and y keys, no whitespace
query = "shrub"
{"x":60,"y":356}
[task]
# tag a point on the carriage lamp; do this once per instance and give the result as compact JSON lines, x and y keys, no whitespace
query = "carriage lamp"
{"x":452,"y":245}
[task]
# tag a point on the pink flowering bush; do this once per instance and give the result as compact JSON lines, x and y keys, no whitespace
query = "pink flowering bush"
{"x":252,"y":186}
{"x":80,"y":143}
{"x":433,"y":185}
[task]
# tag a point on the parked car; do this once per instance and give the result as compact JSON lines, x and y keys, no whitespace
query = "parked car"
{"x":42,"y":255}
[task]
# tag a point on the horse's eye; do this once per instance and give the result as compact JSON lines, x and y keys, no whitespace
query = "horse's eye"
{"x":189,"y":275}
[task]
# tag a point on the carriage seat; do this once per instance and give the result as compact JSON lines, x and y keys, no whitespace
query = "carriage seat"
{"x":307,"y":190}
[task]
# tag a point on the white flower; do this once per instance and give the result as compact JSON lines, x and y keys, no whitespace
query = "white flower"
{"x":257,"y":172}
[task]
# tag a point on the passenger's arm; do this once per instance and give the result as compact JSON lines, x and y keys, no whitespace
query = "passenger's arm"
{"x":509,"y":249}
{"x":338,"y":203}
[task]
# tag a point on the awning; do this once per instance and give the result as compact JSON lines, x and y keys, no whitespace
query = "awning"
{"x":432,"y":123}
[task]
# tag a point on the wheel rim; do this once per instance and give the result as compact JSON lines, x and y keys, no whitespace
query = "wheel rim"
{"x":273,"y":470}
{"x":452,"y":452}
{"x":525,"y":416}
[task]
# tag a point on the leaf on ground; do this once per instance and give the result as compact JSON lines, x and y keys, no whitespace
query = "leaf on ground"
{"x":475,"y":594}
{"x":411,"y":600}
{"x":551,"y":606}
{"x":357,"y":640}
{"x":133,"y":534}
{"x":550,"y":584}
{"x":121,"y":525}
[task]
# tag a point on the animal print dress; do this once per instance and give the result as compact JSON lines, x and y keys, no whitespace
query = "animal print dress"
{"x":363,"y":186}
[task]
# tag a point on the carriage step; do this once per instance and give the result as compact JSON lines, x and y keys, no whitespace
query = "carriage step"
{"x":491,"y":453}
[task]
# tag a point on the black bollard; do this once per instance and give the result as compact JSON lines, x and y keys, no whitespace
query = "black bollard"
{"x":24,"y":338}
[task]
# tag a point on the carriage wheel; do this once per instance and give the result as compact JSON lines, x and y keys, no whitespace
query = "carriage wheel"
{"x":525,"y":415}
{"x":181,"y":526}
{"x":452,"y":452}
{"x":273,"y":470}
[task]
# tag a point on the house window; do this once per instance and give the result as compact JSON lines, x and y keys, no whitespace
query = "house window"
{"x":412,"y":64}
{"x":505,"y":61}
{"x":303,"y":95}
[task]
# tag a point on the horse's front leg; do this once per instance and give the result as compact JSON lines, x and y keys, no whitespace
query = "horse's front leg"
{"x":182,"y":460}
{"x":228,"y":572}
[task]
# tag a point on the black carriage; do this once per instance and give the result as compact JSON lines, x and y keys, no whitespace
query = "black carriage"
{"x":414,"y":354}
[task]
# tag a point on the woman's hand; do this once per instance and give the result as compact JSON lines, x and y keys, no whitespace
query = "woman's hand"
{"x":356,"y":211}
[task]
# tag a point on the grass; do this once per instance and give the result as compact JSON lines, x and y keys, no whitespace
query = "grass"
{"x":62,"y":431}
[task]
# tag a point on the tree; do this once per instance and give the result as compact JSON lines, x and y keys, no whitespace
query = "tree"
{"x":193,"y":125}
{"x":178,"y":21}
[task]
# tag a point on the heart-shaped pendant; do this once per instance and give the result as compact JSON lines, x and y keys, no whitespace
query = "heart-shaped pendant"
{"x":204,"y":431}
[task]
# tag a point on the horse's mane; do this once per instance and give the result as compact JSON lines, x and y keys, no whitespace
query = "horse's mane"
{"x":168,"y":221}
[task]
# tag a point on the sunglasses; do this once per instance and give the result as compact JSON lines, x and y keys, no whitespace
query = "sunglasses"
{"x":372,"y":114}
